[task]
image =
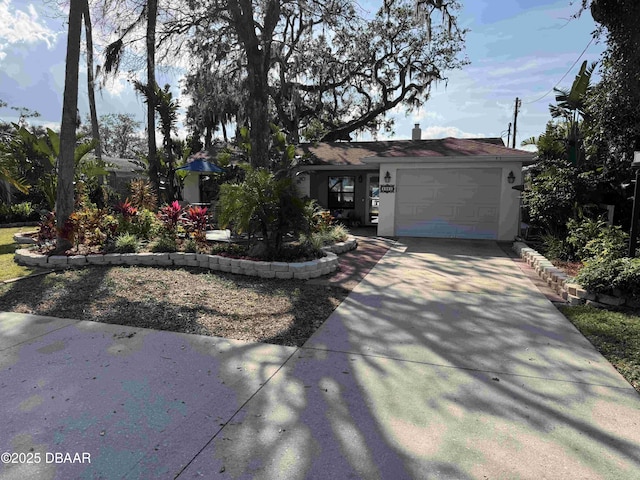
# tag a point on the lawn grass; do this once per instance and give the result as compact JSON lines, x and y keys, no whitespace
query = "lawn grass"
{"x":615,"y":334}
{"x":8,"y":268}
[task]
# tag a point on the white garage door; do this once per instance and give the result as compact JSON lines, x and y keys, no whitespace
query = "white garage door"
{"x":448,"y":202}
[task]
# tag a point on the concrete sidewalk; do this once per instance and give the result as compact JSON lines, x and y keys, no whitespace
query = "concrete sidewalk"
{"x":444,"y":362}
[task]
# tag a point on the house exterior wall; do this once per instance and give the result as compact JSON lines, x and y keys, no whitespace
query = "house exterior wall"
{"x":319,"y":188}
{"x":509,"y":198}
{"x":191,"y":190}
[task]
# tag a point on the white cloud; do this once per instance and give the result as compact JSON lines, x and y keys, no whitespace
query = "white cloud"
{"x":19,"y":26}
{"x":115,"y":86}
{"x":443,"y":132}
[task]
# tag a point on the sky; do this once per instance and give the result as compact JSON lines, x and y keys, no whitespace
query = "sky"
{"x":516,"y":48}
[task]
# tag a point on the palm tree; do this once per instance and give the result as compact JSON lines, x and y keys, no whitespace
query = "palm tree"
{"x":571,"y":106}
{"x":95,"y":130}
{"x":113,"y":55}
{"x":66,"y":163}
{"x":9,"y":175}
{"x":167,"y":109}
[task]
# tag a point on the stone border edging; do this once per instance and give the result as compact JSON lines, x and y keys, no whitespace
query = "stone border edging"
{"x":23,"y":238}
{"x":559,"y":281}
{"x":19,"y":224}
{"x":298,"y":270}
{"x":350,"y":243}
{"x":554,"y":277}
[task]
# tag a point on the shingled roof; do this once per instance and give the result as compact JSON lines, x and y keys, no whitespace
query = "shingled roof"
{"x":352,"y":153}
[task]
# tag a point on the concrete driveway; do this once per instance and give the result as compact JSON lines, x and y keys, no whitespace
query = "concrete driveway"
{"x":445,"y":362}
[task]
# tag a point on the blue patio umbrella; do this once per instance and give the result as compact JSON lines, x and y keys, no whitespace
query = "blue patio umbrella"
{"x":201,"y":166}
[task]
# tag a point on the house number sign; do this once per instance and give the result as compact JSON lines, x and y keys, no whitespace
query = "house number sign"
{"x":387,"y":188}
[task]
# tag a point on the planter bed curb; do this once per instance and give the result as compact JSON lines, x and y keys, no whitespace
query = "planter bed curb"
{"x":562,"y":284}
{"x":25,"y":238}
{"x":32,"y":223}
{"x":298,"y":270}
{"x":349,"y":244}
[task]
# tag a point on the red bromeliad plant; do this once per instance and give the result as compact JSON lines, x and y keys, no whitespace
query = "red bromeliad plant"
{"x":170,"y":215}
{"x":197,"y":216}
{"x":127,"y":209}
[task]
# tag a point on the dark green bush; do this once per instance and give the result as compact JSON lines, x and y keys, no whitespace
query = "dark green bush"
{"x":18,"y":212}
{"x":628,"y":280}
{"x":190,"y":246}
{"x":590,"y":238}
{"x":264,"y":204}
{"x":555,"y":248}
{"x":604,"y":275}
{"x":232,"y":249}
{"x":550,"y":199}
{"x":164,"y":244}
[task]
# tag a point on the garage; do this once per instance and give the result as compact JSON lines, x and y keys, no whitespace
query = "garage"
{"x":448,"y":202}
{"x":442,"y":188}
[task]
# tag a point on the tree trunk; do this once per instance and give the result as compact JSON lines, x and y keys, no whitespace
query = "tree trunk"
{"x":65,"y":192}
{"x":154,"y":164}
{"x":258,"y":114}
{"x":168,"y":147}
{"x":95,"y":130}
{"x":259,"y":131}
{"x":258,"y":51}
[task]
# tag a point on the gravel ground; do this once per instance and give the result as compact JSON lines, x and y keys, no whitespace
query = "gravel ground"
{"x":191,"y":300}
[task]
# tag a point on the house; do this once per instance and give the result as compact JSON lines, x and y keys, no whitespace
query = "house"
{"x":121,"y":171}
{"x":451,"y":187}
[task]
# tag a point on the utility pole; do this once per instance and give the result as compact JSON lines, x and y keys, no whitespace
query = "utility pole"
{"x":509,"y":134}
{"x":515,"y":119}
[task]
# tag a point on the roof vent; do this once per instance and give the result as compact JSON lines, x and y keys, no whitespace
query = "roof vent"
{"x":416,"y":133}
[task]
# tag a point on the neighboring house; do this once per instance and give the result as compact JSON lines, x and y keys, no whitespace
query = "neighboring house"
{"x":121,"y":172}
{"x":451,"y":187}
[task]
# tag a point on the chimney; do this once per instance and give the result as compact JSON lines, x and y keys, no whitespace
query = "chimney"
{"x":416,"y":133}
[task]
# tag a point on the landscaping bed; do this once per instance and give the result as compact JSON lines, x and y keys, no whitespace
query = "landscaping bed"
{"x":193,"y":300}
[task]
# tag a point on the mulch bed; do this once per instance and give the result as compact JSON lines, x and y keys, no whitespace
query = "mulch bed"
{"x":191,"y":300}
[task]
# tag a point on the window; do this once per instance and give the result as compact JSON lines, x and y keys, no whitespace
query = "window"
{"x":341,"y":192}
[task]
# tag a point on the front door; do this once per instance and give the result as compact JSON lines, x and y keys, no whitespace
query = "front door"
{"x":373,"y":198}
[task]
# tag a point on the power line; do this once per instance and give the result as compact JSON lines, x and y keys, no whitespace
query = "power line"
{"x":563,"y":77}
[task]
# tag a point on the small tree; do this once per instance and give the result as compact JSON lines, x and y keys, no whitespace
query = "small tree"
{"x":262,"y":204}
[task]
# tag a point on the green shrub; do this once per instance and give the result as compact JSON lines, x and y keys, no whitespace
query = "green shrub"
{"x":190,"y":246}
{"x":5,"y":213}
{"x":339,"y":233}
{"x":550,"y":200}
{"x":628,"y":280}
{"x":329,"y":236}
{"x":600,"y":275}
{"x":232,"y":249}
{"x":297,"y":253}
{"x":126,"y":243}
{"x":264,"y":203}
{"x":24,"y":212}
{"x":315,"y":240}
{"x":19,"y":212}
{"x":590,"y":238}
{"x":164,"y":244}
{"x":145,"y":224}
{"x":555,"y":248}
{"x":604,"y":275}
